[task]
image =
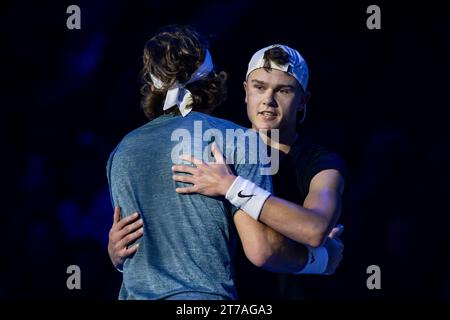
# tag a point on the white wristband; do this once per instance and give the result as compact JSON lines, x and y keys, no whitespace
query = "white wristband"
{"x":247,"y":196}
{"x":317,"y":261}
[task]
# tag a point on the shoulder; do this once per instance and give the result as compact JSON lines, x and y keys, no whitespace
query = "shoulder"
{"x":305,"y":149}
{"x":310,"y":159}
{"x":130,"y":142}
{"x":313,"y":153}
{"x":216,"y":122}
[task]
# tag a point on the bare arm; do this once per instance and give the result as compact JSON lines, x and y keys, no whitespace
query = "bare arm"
{"x":310,"y":223}
{"x":269,"y":249}
{"x":263,"y":246}
{"x":275,"y":242}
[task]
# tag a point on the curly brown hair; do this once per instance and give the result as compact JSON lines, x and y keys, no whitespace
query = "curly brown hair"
{"x":173,"y":55}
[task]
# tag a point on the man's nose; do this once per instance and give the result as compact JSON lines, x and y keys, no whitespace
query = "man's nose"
{"x":269,"y":99}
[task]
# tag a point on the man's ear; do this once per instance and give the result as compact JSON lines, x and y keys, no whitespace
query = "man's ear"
{"x":306,"y":97}
{"x":304,"y":100}
{"x":245,"y":88}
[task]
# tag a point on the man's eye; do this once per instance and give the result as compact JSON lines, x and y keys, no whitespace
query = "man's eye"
{"x":259,"y":87}
{"x":284,"y":91}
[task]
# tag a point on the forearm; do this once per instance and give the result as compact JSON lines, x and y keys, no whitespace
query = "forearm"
{"x":298,"y":223}
{"x":267,"y":248}
{"x":286,"y":256}
{"x":308,"y":224}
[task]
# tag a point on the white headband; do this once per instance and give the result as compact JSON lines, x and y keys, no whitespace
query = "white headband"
{"x":178,"y":94}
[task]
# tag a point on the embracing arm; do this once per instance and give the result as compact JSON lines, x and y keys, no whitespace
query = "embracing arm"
{"x":275,"y":241}
{"x":310,"y":223}
{"x":123,"y":232}
{"x":268,"y":249}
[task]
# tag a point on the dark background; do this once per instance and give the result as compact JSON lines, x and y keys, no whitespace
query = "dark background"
{"x":379,"y":99}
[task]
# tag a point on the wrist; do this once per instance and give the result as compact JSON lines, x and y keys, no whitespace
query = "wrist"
{"x":226,"y":184}
{"x":245,"y":195}
{"x":317,"y":261}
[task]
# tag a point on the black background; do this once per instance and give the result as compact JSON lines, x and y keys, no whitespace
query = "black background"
{"x":379,"y":98}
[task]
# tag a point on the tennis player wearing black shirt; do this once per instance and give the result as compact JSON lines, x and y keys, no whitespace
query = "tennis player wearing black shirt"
{"x":308,"y":186}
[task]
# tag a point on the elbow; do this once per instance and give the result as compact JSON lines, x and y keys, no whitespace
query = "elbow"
{"x":258,"y":253}
{"x":258,"y":256}
{"x":316,"y":241}
{"x":317,"y":236}
{"x":259,"y":261}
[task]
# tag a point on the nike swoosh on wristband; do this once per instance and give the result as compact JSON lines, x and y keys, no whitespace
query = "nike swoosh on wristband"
{"x":240,"y":195}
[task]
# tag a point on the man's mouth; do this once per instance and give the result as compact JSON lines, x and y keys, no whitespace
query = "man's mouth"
{"x":267,"y":113}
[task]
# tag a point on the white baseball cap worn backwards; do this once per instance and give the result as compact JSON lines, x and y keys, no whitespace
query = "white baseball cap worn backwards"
{"x":296,"y":66}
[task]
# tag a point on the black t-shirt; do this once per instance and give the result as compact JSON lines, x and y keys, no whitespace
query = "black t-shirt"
{"x":297,"y":168}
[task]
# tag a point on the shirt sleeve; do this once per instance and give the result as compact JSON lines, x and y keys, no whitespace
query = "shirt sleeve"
{"x":121,"y":189}
{"x":318,"y":160}
{"x":108,"y":175}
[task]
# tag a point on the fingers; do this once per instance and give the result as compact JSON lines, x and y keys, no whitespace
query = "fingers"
{"x":217,"y":154}
{"x":185,"y":179}
{"x":127,"y":220}
{"x":336,"y":231}
{"x":116,"y":217}
{"x":186,"y":190}
{"x":333,"y":233}
{"x":340,"y":228}
{"x":122,"y":234}
{"x":191,"y":159}
{"x":131,"y":250}
{"x":123,"y":254}
{"x":185,"y":169}
{"x":129,"y":228}
{"x":130,"y":238}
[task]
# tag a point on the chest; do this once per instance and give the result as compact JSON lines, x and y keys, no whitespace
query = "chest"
{"x":286,"y":183}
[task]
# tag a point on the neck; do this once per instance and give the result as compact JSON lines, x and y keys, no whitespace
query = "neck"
{"x":285,"y":141}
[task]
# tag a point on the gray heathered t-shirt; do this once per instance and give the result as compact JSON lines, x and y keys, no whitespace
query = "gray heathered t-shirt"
{"x":189,"y":240}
